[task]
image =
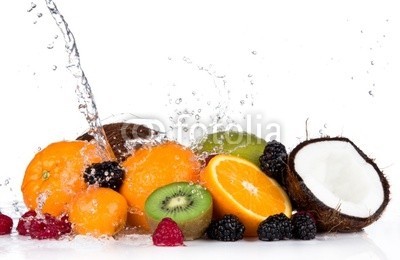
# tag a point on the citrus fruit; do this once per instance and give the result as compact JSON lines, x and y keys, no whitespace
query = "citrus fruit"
{"x":55,"y":175}
{"x":98,"y":211}
{"x":242,"y":144}
{"x":149,"y":168}
{"x":239,"y":187}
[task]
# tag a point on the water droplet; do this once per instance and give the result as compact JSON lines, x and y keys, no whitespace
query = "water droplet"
{"x":185,"y":129}
{"x":56,"y":36}
{"x":39,"y":149}
{"x":34,"y":22}
{"x":199,"y":110}
{"x":371,"y":93}
{"x":33,"y":6}
{"x":6,"y":181}
{"x":194,"y":93}
{"x":54,"y":67}
{"x":242,"y":102}
{"x":250,"y":75}
{"x":325,"y":125}
{"x":39,"y":15}
{"x":178,"y":101}
{"x":372,"y":62}
{"x":197,"y":117}
{"x":187,"y":60}
{"x":50,"y":46}
{"x":254,"y":52}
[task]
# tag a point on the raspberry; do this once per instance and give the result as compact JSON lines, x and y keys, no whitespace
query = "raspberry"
{"x":229,"y":228}
{"x":6,"y":224}
{"x":24,"y":222}
{"x":43,"y":227}
{"x":275,"y":227}
{"x":304,"y":226}
{"x":107,"y":174}
{"x":167,"y":233}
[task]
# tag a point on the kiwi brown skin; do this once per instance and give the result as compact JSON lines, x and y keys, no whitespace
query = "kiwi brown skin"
{"x":329,"y":219}
{"x":118,"y":133}
{"x":191,"y":229}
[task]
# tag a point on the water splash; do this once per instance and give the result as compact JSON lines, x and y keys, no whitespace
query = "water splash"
{"x":87,"y":104}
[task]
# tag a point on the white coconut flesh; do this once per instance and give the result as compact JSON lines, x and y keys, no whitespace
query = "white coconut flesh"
{"x":340,"y":177}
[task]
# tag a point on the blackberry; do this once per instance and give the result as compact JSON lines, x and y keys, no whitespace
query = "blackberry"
{"x":275,"y":227}
{"x":107,"y":174}
{"x":273,"y":160}
{"x":228,"y":228}
{"x":304,"y":226}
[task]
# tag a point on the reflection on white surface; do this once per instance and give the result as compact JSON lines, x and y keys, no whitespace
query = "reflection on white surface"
{"x":326,"y":246}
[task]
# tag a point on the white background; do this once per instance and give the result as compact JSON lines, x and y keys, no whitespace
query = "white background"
{"x":335,"y":63}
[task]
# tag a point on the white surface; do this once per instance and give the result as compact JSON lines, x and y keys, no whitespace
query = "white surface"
{"x":297,"y":59}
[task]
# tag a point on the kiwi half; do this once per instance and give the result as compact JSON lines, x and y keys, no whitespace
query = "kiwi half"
{"x":188,"y":204}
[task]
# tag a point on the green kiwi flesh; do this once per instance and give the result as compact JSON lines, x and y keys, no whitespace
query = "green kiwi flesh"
{"x":188,"y":204}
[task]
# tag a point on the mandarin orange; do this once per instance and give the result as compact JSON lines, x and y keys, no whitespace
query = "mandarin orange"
{"x":149,"y":168}
{"x":55,"y":175}
{"x":98,"y":211}
{"x":239,"y":187}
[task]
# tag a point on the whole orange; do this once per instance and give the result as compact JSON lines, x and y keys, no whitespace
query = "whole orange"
{"x":98,"y":211}
{"x":149,"y":168}
{"x":55,"y":175}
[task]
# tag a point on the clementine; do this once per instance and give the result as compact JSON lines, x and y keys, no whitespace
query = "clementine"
{"x":55,"y":175}
{"x":98,"y":211}
{"x":149,"y":168}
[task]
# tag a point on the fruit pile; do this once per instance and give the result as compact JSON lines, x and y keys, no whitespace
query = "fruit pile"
{"x":164,"y":189}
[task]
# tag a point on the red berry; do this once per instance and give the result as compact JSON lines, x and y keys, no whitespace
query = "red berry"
{"x":6,"y":224}
{"x":24,"y":223}
{"x":167,"y":233}
{"x":43,"y":227}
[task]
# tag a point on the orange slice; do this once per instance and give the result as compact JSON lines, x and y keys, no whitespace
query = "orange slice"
{"x":239,"y":187}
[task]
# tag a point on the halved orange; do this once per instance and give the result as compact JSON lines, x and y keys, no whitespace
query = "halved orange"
{"x":239,"y":187}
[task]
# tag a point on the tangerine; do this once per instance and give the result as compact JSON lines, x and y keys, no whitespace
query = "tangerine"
{"x":98,"y":211}
{"x":149,"y":168}
{"x":55,"y":175}
{"x":239,"y":187}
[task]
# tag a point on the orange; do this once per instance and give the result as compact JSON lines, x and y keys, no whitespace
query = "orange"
{"x":149,"y":168}
{"x":98,"y":211}
{"x":55,"y":175}
{"x":239,"y":187}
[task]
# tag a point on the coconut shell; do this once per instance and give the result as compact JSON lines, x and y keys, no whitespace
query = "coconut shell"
{"x":118,"y":133}
{"x":329,"y":219}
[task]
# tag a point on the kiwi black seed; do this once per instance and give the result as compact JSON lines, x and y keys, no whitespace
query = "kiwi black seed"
{"x":188,"y":204}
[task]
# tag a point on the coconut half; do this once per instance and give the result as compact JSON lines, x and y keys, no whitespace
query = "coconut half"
{"x":335,"y":180}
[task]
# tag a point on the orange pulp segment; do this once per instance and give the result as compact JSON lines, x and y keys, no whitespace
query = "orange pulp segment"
{"x":239,"y":187}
